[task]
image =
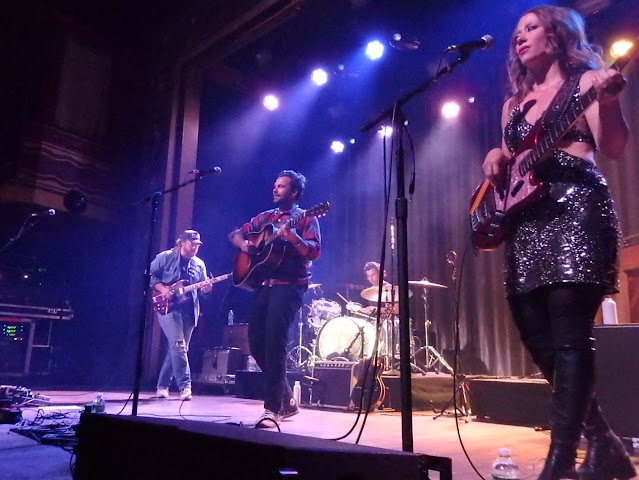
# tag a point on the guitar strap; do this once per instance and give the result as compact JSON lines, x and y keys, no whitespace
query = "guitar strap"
{"x":560,"y":102}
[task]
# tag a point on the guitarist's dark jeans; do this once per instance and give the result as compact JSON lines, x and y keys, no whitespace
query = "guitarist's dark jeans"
{"x":272,"y":313}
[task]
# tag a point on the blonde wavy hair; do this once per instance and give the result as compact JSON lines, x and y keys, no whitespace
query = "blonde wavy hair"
{"x":565,"y":29}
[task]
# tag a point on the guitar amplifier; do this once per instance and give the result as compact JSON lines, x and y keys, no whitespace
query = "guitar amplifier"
{"x":236,"y":336}
{"x":220,"y":365}
{"x":332,"y":384}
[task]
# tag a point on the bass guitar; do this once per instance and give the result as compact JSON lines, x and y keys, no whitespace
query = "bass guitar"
{"x":180,"y":289}
{"x":251,"y":269}
{"x":490,"y":207}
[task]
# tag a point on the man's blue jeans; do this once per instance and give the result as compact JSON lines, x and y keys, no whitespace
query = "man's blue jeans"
{"x":177,"y":327}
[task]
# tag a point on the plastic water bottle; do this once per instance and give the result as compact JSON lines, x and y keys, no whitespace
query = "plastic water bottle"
{"x":98,"y":405}
{"x":609,"y":311}
{"x":297,"y":392}
{"x":504,"y":467}
{"x":231,"y":317}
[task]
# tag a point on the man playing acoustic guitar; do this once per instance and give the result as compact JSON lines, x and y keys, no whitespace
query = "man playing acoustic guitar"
{"x":168,"y":267}
{"x":280,"y":288}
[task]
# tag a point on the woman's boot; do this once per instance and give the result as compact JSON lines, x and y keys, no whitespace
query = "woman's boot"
{"x":571,"y":398}
{"x":606,"y":458}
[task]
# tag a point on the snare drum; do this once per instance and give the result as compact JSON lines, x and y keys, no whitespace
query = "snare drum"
{"x":346,"y":337}
{"x":323,"y":310}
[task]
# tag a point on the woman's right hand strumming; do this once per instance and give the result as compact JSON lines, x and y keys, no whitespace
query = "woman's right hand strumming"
{"x":495,"y":166}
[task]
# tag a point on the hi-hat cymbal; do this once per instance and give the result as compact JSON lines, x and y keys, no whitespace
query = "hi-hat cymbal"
{"x":388,"y":295}
{"x":314,"y":285}
{"x":426,"y":284}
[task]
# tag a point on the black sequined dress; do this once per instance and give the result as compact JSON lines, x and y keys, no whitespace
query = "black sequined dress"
{"x":572,"y":234}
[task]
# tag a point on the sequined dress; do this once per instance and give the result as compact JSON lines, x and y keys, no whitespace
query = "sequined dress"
{"x":572,"y":234}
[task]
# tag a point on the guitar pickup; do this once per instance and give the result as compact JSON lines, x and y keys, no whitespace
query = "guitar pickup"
{"x":516,"y":188}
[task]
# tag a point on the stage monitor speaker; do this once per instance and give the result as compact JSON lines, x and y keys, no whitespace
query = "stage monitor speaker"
{"x":617,"y":385}
{"x":122,"y":447}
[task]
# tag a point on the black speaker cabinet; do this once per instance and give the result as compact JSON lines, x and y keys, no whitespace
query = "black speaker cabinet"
{"x":617,"y":385}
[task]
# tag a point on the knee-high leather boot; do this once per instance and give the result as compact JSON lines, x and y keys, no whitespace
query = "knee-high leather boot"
{"x":572,"y":394}
{"x":606,"y":458}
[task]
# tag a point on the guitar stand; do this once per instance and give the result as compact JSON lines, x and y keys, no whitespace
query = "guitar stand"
{"x":464,"y":407}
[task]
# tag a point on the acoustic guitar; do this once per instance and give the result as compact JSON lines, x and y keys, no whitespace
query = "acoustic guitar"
{"x":251,"y":269}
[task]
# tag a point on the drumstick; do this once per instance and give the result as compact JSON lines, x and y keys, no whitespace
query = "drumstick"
{"x":342,"y":297}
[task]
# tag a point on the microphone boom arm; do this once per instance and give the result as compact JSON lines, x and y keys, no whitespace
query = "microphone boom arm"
{"x":388,"y":112}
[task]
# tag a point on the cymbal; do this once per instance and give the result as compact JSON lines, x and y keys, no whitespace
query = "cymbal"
{"x":314,"y":285}
{"x":388,"y":295}
{"x":426,"y":284}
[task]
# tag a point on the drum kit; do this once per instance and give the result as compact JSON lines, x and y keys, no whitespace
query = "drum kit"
{"x":353,"y":336}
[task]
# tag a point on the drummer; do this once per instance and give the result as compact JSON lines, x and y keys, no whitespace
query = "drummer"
{"x":371,"y":270}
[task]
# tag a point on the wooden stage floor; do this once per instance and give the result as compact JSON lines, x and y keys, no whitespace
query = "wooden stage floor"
{"x":383,"y":429}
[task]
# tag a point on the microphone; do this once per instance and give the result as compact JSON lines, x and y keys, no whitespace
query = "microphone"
{"x":484,"y":43}
{"x":214,"y":171}
{"x":45,"y":213}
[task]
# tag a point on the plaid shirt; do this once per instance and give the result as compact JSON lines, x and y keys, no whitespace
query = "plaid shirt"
{"x":295,"y":267}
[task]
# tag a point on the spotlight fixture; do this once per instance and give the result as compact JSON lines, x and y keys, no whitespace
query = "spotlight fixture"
{"x":374,"y":50}
{"x":620,"y":48}
{"x":319,"y":77}
{"x":271,"y":102}
{"x":385,"y":131}
{"x":404,"y":43}
{"x":450,"y":110}
{"x":337,"y":146}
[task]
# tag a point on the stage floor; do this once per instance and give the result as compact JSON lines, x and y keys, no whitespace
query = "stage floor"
{"x":22,"y":459}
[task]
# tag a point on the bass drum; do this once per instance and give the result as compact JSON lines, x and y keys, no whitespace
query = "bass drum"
{"x":346,"y":338}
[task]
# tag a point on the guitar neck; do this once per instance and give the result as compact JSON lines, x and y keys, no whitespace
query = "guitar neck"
{"x":210,"y":281}
{"x":290,"y":222}
{"x":558,"y":130}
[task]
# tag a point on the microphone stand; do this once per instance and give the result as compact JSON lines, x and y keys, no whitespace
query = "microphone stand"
{"x":154,"y":200}
{"x":401,"y":215}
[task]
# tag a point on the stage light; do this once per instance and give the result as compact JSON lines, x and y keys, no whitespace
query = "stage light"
{"x":337,"y":146}
{"x":620,"y":48}
{"x":401,"y":42}
{"x":450,"y":110}
{"x":374,"y":50}
{"x":471,"y":99}
{"x":352,"y":141}
{"x":385,"y":131}
{"x":271,"y":102}
{"x":319,"y":77}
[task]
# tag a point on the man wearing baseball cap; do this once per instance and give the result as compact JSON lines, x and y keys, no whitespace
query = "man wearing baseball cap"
{"x":180,"y":318}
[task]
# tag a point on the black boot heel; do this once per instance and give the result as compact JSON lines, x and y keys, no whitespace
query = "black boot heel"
{"x":606,"y":459}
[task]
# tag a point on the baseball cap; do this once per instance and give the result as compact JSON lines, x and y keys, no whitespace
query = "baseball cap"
{"x":191,"y":235}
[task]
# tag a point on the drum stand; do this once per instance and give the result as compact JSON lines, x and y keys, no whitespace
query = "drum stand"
{"x":301,"y":356}
{"x":432,"y":355}
{"x":388,"y":324}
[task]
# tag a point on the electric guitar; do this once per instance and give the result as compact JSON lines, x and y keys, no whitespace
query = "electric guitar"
{"x":372,"y":397}
{"x":491,"y":207}
{"x":180,"y":289}
{"x":251,"y":269}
